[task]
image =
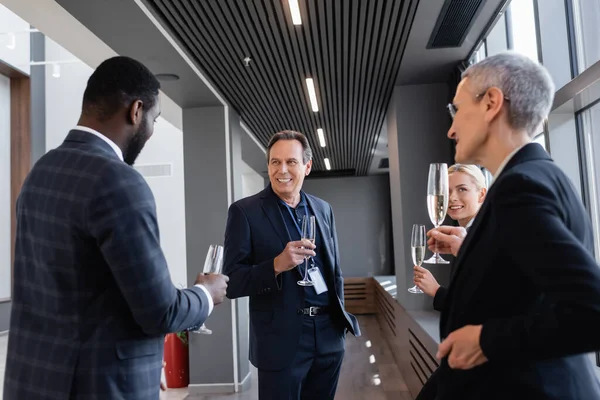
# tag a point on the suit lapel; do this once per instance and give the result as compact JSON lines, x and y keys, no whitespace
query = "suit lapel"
{"x":271,"y":209}
{"x":531,"y":151}
{"x":321,"y":220}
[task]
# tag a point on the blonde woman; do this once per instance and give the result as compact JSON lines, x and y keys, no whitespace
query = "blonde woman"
{"x":467,"y":189}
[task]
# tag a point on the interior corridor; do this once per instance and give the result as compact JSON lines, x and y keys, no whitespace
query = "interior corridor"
{"x":368,"y":372}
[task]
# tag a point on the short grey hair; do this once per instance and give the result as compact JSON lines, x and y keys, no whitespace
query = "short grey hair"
{"x":291,"y":135}
{"x":526,"y":84}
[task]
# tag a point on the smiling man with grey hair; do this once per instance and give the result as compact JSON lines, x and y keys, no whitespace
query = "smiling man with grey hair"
{"x":526,"y":286}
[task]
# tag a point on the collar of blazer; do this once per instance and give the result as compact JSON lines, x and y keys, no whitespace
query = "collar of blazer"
{"x":78,"y":136}
{"x":270,"y":205}
{"x":529,"y":152}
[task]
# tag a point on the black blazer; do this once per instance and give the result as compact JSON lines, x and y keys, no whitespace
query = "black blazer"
{"x":254,"y":236}
{"x":527,"y":273}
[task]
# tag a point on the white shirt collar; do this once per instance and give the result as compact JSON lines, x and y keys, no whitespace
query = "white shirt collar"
{"x":469,"y":223}
{"x":505,"y":162}
{"x":112,"y":144}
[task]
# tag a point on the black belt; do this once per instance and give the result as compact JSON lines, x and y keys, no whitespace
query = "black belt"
{"x":312,"y":311}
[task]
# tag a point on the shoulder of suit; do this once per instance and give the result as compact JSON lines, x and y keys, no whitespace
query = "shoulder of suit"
{"x":319,"y":201}
{"x":117,"y":175}
{"x":249,"y":201}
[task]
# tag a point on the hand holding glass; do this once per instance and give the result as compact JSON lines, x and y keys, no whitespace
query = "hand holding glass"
{"x":418,"y":241}
{"x":213,"y":264}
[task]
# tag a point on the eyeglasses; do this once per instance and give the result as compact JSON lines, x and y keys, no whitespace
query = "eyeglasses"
{"x":452,"y":110}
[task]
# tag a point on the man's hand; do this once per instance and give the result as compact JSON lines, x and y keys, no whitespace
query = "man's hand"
{"x":425,"y":281}
{"x":462,"y":348}
{"x":446,"y":239}
{"x":216,"y":284}
{"x":163,"y":386}
{"x":293,"y":255}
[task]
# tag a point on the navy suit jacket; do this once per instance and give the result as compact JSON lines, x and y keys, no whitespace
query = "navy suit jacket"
{"x":92,"y":293}
{"x":527,"y":273}
{"x":255,"y":235}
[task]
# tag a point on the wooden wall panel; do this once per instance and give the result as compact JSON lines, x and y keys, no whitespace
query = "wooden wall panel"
{"x":413,"y":349}
{"x":20,"y":141}
{"x":359,"y":296}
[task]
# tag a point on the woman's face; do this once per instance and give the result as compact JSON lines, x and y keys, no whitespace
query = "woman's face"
{"x":465,"y":198}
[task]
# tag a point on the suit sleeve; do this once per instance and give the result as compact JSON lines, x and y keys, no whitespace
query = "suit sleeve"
{"x":245,"y":277}
{"x":122,"y":219}
{"x":558,"y":266}
{"x":439,"y":300}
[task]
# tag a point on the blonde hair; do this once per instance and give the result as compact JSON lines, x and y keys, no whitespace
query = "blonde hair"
{"x":473,"y":171}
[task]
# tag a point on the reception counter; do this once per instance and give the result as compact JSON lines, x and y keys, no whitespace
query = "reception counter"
{"x":413,"y":336}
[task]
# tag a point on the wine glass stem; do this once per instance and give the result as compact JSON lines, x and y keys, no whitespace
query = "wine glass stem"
{"x":435,"y":247}
{"x":306,"y":269}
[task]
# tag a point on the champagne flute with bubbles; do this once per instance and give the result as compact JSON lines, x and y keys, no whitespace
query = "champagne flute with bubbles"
{"x":418,"y":241}
{"x":308,"y":233}
{"x":437,"y":201}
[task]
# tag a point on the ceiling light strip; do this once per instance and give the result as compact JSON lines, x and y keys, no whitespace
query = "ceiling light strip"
{"x":312,"y":94}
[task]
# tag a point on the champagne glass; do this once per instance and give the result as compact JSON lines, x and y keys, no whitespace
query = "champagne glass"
{"x":437,"y":202}
{"x":308,"y":233}
{"x":213,"y":264}
{"x":418,"y":240}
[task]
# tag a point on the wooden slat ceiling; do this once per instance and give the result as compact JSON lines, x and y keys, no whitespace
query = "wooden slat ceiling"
{"x":351,"y":48}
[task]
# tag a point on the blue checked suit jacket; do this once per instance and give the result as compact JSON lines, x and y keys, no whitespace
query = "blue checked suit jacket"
{"x":92,"y":295}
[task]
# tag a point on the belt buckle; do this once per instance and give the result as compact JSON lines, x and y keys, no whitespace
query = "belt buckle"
{"x":312,"y":311}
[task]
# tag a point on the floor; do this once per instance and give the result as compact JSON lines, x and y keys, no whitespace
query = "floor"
{"x":368,"y":372}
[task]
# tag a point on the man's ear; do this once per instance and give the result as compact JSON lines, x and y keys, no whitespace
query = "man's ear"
{"x":493,"y":99}
{"x":136,"y":112}
{"x":308,"y":167}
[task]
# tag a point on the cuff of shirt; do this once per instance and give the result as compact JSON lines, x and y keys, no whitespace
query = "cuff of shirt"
{"x":211,"y":305}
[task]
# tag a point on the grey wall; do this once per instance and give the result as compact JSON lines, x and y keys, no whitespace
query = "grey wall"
{"x":253,"y":155}
{"x":417,"y":128}
{"x":5,"y":315}
{"x":38,"y":98}
{"x":206,"y":213}
{"x":361,"y":206}
{"x":212,"y":157}
{"x":236,"y":135}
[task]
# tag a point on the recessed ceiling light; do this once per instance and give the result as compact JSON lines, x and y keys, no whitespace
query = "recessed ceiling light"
{"x":327,"y":164}
{"x":312,"y":94}
{"x":167,"y":77}
{"x":295,"y":11}
{"x":321,"y":137}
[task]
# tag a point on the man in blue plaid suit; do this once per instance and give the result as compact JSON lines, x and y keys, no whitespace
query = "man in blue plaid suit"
{"x":93,"y":297}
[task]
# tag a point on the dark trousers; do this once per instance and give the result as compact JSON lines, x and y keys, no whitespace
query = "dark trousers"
{"x":314,"y":372}
{"x":430,"y":388}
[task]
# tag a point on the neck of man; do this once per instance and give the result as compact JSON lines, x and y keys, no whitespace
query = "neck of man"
{"x":500,"y":145}
{"x":291,"y":200}
{"x":108,"y":129}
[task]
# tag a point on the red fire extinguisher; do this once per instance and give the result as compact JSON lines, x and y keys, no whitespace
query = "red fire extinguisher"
{"x":177,"y":362}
